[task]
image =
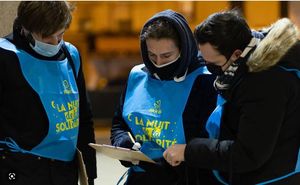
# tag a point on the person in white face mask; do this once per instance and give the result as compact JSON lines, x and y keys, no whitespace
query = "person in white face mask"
{"x":45,"y":49}
{"x":166,"y":101}
{"x":42,"y":89}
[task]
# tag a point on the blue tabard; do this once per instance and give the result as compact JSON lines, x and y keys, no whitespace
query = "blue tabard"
{"x":55,"y":84}
{"x":213,"y":125}
{"x":214,"y":121}
{"x":153,"y":109}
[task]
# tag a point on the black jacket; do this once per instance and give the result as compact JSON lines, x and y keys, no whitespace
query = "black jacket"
{"x":201,"y":102}
{"x":260,"y":131}
{"x":23,"y":118}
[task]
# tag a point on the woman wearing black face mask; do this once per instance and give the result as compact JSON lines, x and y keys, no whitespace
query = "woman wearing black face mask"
{"x":167,"y":100}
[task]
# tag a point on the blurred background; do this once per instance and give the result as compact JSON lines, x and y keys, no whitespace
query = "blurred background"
{"x":107,"y":35}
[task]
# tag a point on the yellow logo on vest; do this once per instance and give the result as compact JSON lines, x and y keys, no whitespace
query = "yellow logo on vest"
{"x":153,"y":130}
{"x":67,"y":88}
{"x":156,"y":109}
{"x":69,"y":112}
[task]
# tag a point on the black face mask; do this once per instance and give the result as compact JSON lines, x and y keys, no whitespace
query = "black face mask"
{"x":214,"y":69}
{"x":167,"y":72}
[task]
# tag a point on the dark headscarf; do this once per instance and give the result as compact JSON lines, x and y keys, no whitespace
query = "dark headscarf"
{"x":189,"y":50}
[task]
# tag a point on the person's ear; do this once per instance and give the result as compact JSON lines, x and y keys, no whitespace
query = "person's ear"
{"x":236,"y":54}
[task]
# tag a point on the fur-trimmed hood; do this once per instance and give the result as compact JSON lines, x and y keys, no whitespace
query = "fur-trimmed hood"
{"x":282,"y":35}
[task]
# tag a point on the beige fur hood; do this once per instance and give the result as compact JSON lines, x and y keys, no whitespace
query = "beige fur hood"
{"x":282,"y":35}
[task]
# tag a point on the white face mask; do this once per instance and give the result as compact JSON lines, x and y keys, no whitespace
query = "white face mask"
{"x":166,"y":64}
{"x":47,"y":50}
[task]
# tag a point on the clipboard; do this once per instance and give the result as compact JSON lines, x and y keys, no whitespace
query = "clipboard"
{"x":120,"y":153}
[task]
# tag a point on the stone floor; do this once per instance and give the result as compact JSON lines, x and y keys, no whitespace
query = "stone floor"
{"x":109,"y":171}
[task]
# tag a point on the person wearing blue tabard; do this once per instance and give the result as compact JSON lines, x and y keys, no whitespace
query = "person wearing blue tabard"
{"x":255,"y":128}
{"x":44,"y":112}
{"x":167,"y":100}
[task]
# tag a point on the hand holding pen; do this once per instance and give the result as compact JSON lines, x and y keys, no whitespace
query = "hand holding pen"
{"x":136,"y":146}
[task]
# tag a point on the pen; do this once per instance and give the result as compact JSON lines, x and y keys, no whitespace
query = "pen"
{"x":131,"y":138}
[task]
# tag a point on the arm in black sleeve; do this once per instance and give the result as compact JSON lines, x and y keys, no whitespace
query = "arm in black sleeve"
{"x":262,"y":102}
{"x":86,"y":128}
{"x":119,"y":131}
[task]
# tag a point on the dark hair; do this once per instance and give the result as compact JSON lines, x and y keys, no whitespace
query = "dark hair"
{"x":227,"y":31}
{"x":159,"y":29}
{"x":44,"y":17}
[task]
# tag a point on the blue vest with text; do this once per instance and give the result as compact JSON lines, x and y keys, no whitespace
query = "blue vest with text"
{"x":55,"y":84}
{"x":153,"y":109}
